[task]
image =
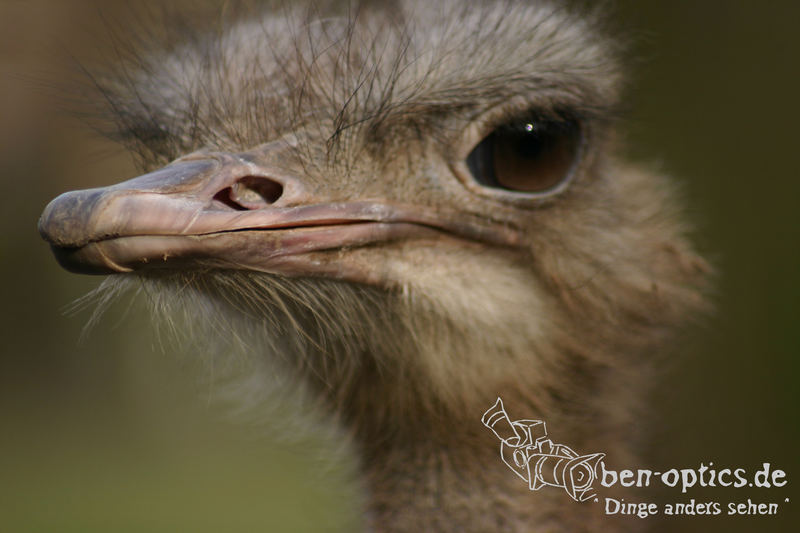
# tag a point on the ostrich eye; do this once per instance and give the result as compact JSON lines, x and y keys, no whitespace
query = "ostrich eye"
{"x":535,"y":155}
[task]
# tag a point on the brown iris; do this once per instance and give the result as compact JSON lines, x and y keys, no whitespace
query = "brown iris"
{"x":530,"y":156}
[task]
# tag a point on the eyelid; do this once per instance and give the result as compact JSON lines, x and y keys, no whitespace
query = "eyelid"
{"x":483,"y":125}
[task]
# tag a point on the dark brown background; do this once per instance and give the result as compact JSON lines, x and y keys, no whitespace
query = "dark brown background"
{"x":114,"y":434}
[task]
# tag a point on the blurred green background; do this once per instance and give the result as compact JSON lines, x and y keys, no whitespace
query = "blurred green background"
{"x":113,"y":434}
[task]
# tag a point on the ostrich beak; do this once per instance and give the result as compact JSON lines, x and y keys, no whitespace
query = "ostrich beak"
{"x":225,"y":211}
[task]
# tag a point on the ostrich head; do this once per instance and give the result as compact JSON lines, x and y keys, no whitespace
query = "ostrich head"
{"x":418,"y":208}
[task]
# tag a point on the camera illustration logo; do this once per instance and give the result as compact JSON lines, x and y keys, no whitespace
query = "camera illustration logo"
{"x":529,"y":453}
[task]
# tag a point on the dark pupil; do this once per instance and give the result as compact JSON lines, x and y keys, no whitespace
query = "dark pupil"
{"x":525,"y":144}
{"x":526,"y":156}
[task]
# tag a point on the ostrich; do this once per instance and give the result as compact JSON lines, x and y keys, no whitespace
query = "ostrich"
{"x":412,"y":208}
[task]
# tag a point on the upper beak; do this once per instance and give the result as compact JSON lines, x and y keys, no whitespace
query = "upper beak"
{"x":223,"y":210}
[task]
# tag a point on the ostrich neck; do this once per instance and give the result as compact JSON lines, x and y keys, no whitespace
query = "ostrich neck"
{"x":448,"y":476}
{"x":440,"y":470}
{"x":429,"y":464}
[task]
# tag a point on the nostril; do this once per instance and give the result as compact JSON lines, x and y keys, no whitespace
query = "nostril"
{"x":255,"y":189}
{"x":250,"y":192}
